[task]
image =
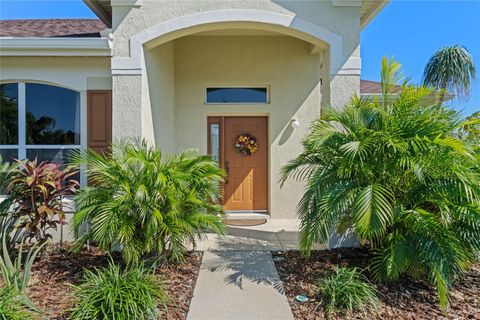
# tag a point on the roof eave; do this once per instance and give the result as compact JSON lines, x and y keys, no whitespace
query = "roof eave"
{"x":100,"y":12}
{"x":23,"y":46}
{"x":372,"y":13}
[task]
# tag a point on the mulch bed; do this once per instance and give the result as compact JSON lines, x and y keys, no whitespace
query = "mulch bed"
{"x":53,"y":275}
{"x":403,"y":299}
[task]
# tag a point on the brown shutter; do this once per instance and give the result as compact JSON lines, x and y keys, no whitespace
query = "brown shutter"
{"x":99,"y":123}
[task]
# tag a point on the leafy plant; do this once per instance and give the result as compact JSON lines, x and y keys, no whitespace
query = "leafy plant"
{"x":450,"y":68}
{"x":346,"y":289}
{"x":11,"y":305}
{"x":470,"y":131}
{"x":392,"y":170}
{"x":6,"y":169}
{"x":9,"y":230}
{"x":145,"y":203}
{"x":36,"y":193}
{"x":116,"y":294}
{"x":13,"y":274}
{"x":16,"y":274}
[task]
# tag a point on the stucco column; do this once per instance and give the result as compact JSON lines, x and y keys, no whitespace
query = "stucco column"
{"x":127,"y":106}
{"x":343,"y":88}
{"x":344,"y":81}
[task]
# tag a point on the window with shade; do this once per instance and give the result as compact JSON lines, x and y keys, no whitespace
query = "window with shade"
{"x":236,"y":95}
{"x":38,"y":121}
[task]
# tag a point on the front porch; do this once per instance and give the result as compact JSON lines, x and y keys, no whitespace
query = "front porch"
{"x":175,"y":113}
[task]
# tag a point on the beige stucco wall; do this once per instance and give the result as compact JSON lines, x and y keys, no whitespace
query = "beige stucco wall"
{"x":159,"y":105}
{"x":284,"y":64}
{"x":128,"y":21}
{"x":158,"y":94}
{"x":76,"y":73}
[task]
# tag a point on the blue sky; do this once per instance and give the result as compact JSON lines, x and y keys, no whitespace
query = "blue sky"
{"x":409,"y":31}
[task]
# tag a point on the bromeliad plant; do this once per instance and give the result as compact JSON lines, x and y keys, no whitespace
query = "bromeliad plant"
{"x":392,"y":170}
{"x":35,"y":193}
{"x":145,"y":204}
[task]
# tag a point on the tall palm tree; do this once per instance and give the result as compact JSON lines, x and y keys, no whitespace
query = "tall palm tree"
{"x":450,"y":69}
{"x":393,"y":171}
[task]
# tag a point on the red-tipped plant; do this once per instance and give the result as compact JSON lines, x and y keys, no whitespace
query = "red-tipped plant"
{"x":36,"y":192}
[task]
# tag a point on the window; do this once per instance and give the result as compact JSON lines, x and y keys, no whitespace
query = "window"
{"x":236,"y":95}
{"x":215,"y":142}
{"x":9,"y":120}
{"x":38,"y":121}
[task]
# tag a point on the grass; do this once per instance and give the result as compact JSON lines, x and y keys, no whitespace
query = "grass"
{"x":346,"y":290}
{"x":119,"y":294}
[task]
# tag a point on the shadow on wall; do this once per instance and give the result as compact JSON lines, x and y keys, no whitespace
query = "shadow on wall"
{"x":287,"y":132}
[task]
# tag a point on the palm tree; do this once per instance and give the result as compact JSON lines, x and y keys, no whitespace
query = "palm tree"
{"x":471,"y":129}
{"x":392,"y":170}
{"x":145,"y":203}
{"x":450,"y":69}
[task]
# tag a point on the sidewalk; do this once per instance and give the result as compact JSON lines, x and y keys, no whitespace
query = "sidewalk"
{"x":238,"y":285}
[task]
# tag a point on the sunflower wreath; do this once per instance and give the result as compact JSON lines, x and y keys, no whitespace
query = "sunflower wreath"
{"x":246,"y":144}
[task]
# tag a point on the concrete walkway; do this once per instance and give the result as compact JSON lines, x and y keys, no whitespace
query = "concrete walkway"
{"x":240,"y":285}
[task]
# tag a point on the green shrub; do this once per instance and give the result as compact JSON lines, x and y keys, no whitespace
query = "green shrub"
{"x":144,"y":203}
{"x":393,"y":170}
{"x":119,"y":294}
{"x":346,"y":289}
{"x":12,"y":306}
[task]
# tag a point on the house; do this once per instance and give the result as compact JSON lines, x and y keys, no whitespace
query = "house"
{"x":184,"y":74}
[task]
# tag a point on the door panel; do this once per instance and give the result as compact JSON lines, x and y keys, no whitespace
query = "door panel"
{"x":247,"y":183}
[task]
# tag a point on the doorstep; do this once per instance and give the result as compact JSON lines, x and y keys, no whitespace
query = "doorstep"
{"x":274,"y":235}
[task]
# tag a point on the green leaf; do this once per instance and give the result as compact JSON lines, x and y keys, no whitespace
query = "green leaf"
{"x":373,"y":211}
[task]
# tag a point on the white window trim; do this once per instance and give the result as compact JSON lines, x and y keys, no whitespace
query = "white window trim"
{"x":22,"y":120}
{"x":267,"y":88}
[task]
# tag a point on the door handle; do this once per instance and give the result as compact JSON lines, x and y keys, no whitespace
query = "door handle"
{"x":227,"y":170}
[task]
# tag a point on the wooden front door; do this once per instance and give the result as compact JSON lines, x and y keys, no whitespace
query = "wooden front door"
{"x":246,"y":185}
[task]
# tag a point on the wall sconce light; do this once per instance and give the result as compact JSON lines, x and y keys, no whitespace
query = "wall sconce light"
{"x":295,"y":123}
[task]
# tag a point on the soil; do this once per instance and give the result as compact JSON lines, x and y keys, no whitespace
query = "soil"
{"x":54,"y":274}
{"x":403,"y":299}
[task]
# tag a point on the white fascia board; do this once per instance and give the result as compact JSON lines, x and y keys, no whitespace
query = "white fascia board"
{"x":372,"y":13}
{"x":16,"y":46}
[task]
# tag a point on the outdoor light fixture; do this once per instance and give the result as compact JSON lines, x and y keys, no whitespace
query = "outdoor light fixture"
{"x":295,"y":123}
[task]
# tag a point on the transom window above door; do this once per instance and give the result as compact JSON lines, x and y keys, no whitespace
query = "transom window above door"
{"x":236,"y":95}
{"x":38,"y":121}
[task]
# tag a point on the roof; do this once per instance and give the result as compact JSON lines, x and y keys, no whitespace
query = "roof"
{"x":370,"y":87}
{"x":51,"y":28}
